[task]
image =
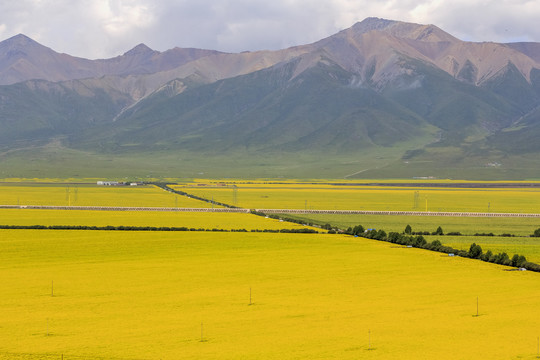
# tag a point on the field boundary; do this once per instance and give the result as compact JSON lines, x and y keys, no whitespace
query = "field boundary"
{"x":401,"y":213}
{"x":123,"y":208}
{"x":274,"y":211}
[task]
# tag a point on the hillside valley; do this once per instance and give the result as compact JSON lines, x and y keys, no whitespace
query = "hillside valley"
{"x":380,"y":99}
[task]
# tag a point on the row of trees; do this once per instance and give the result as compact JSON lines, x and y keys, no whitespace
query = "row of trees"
{"x":149,"y":228}
{"x":165,"y":187}
{"x":418,"y":241}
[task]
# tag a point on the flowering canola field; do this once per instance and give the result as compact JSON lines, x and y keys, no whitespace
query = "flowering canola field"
{"x":196,"y":220}
{"x":197,"y":295}
{"x":329,"y":197}
{"x":187,"y":295}
{"x":92,"y":195}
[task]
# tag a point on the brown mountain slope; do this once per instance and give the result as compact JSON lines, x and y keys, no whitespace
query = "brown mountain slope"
{"x":373,"y":49}
{"x":21,"y":59}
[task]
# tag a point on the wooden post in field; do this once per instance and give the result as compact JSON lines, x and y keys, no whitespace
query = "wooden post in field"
{"x":52,"y":288}
{"x":477,"y":314}
{"x":47,"y":326}
{"x":202,"y":332}
{"x":250,"y":295}
{"x":369,"y":339}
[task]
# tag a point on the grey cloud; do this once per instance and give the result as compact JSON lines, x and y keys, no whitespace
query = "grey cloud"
{"x":106,"y":28}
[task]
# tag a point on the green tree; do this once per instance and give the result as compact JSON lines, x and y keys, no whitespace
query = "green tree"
{"x":537,"y":233}
{"x":475,"y":251}
{"x":439,"y":231}
{"x":518,"y":260}
{"x":436,"y":245}
{"x":408,"y":229}
{"x":358,"y":230}
{"x":488,"y":256}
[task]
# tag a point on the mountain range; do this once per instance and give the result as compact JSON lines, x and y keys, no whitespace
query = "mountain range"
{"x":380,"y":99}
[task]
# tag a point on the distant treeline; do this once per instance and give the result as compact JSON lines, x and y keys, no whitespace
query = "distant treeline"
{"x":165,"y":187}
{"x":284,"y":218}
{"x":149,"y":228}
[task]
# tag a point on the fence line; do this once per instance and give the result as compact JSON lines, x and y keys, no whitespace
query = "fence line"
{"x":122,"y":208}
{"x":275,"y":211}
{"x":402,"y":213}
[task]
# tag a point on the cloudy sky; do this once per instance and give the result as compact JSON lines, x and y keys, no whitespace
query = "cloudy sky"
{"x":106,"y":28}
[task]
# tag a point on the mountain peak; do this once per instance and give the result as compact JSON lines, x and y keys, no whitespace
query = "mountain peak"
{"x":138,"y":50}
{"x":20,"y":40}
{"x":372,"y":23}
{"x":404,"y":30}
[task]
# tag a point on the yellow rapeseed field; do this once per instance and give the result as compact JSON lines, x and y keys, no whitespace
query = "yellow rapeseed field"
{"x":196,"y":220}
{"x":138,"y":295}
{"x":90,"y":195}
{"x":329,"y":197}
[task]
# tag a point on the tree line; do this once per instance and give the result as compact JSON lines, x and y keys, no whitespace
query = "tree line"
{"x":148,"y":228}
{"x":418,"y":241}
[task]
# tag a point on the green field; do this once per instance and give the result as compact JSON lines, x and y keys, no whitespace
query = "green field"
{"x":156,"y":296}
{"x":522,"y":228}
{"x":465,"y":225}
{"x":528,"y":247}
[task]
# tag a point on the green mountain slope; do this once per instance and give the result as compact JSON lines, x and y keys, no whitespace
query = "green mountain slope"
{"x":273,"y":109}
{"x":37,"y":111}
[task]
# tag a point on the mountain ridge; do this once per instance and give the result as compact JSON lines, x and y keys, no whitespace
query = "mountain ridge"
{"x":411,"y":91}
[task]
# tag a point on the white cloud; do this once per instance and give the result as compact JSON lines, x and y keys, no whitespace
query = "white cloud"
{"x":106,"y":28}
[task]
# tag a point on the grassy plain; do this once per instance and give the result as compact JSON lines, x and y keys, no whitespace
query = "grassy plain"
{"x":464,"y":225}
{"x":529,"y":247}
{"x":468,"y":226}
{"x":328,"y":197}
{"x":93,"y":195}
{"x":196,"y":220}
{"x":135,"y":296}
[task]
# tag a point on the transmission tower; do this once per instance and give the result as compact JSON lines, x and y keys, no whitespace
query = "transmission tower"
{"x":416,"y":199}
{"x":235,"y":195}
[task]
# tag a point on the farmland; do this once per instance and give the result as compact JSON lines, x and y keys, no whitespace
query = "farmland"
{"x":136,"y":296}
{"x":317,"y":196}
{"x":148,"y":295}
{"x":92,"y":195}
{"x":197,"y":220}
